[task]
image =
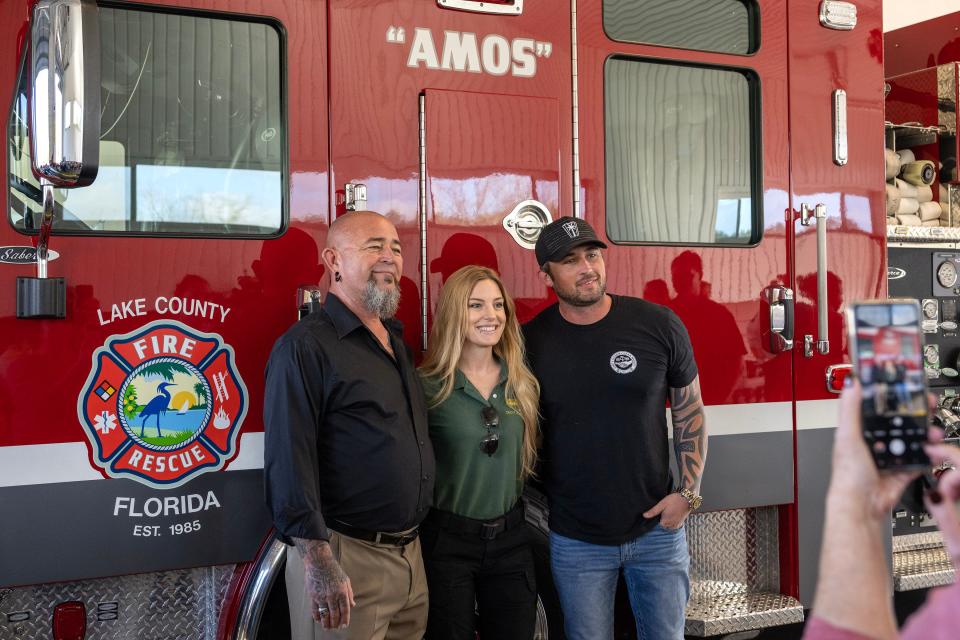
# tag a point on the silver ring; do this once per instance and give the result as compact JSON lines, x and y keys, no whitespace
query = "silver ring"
{"x":323,"y":611}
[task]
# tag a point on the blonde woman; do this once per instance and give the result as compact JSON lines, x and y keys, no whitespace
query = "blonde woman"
{"x":483,"y":423}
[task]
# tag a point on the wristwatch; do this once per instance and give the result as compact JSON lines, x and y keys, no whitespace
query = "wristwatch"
{"x":692,"y":499}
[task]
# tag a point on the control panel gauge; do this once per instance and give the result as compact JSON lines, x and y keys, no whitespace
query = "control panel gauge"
{"x":947,"y":274}
{"x":931,"y":309}
{"x":931,"y":354}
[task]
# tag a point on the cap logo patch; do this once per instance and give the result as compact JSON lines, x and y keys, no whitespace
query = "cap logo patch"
{"x":572,"y":229}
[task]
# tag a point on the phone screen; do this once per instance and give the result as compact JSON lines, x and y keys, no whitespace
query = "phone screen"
{"x":889,"y":359}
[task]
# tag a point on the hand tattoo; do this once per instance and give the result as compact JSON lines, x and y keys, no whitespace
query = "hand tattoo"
{"x":326,"y":581}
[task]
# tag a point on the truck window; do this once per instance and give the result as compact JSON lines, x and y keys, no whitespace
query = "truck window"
{"x":724,"y":26}
{"x":681,"y":154}
{"x":192,"y":135}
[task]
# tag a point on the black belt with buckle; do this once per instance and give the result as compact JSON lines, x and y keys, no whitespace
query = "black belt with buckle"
{"x":484,"y":529}
{"x":376,"y":537}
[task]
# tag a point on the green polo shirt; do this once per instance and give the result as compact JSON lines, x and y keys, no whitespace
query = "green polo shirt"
{"x":469,"y":482}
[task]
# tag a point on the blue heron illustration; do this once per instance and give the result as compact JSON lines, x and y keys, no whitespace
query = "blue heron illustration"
{"x":158,"y":405}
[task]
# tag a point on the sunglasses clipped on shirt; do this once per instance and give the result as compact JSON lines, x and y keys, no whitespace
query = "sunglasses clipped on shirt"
{"x":491,"y":420}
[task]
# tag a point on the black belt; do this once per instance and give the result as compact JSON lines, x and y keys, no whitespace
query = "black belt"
{"x":376,"y":537}
{"x":484,"y":529}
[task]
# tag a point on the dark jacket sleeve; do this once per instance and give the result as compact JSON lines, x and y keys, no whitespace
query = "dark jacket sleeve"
{"x":292,"y":410}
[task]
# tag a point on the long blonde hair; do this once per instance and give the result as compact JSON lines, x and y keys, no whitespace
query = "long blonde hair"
{"x":446,"y":344}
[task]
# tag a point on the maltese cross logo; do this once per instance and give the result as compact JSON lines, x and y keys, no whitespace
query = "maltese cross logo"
{"x":571,"y":228}
{"x":176,"y":410}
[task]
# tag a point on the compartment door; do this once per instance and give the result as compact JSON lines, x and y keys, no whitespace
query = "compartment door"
{"x":491,"y":177}
{"x":824,"y":62}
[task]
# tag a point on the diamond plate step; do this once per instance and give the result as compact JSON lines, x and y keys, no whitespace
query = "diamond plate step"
{"x":916,"y":541}
{"x":171,"y":605}
{"x":921,"y":568}
{"x":717,"y":614}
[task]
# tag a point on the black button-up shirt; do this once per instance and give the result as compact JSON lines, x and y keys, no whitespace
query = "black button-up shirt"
{"x":345,"y":425}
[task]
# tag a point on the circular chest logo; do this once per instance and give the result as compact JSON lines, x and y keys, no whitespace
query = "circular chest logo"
{"x":623,"y":362}
{"x":162,"y":404}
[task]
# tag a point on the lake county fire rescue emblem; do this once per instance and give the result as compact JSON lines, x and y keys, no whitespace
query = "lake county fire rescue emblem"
{"x":162,"y":404}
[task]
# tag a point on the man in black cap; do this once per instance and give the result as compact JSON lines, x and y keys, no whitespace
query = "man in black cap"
{"x":607,"y":365}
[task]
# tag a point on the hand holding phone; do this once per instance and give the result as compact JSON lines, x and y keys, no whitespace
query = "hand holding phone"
{"x":887,"y":352}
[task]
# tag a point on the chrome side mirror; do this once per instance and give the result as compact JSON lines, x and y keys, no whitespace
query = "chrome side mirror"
{"x":64,"y":127}
{"x":65,"y":92}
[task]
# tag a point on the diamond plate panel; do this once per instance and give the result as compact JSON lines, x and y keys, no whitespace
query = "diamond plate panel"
{"x":900,"y":233}
{"x":915,"y":541}
{"x":741,"y":612}
{"x":735,"y":573}
{"x":922,"y":569}
{"x":733,"y":552}
{"x":170,"y":605}
{"x":947,"y":96}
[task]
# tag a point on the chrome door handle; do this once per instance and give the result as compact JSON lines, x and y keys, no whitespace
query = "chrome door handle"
{"x":836,"y":375}
{"x":781,"y":318}
{"x":819,"y":214}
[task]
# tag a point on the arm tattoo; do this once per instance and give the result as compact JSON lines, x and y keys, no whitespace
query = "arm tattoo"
{"x":323,"y":573}
{"x":689,"y":433}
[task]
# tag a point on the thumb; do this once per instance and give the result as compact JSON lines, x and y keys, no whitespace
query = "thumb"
{"x":653,"y":511}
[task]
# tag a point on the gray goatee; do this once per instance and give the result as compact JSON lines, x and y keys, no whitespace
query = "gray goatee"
{"x":383,"y":302}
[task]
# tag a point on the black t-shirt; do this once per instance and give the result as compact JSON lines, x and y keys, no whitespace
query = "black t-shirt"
{"x":604,"y":388}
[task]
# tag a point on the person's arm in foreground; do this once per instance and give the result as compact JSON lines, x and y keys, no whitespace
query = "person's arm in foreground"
{"x":939,"y":617}
{"x":853,"y":590}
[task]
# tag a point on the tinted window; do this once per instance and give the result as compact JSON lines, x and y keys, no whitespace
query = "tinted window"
{"x":191,"y":138}
{"x":726,"y":26}
{"x":681,"y":156}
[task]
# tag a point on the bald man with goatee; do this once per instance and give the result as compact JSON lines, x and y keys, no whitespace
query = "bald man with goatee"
{"x":348,"y":465}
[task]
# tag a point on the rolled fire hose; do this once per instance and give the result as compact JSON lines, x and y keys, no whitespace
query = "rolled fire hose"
{"x":893,"y":163}
{"x":908,"y":206}
{"x":893,"y":200}
{"x":906,"y":155}
{"x":930,"y":211}
{"x":919,"y":172}
{"x":907,"y":190}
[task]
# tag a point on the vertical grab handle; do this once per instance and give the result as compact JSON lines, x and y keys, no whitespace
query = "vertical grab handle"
{"x":807,"y":217}
{"x":422,"y":184}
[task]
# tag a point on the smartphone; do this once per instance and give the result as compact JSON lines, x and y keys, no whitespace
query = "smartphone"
{"x":887,"y":350}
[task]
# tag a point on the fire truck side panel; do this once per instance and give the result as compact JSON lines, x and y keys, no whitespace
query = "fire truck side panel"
{"x":59,"y":506}
{"x":922,"y":45}
{"x":822,"y":61}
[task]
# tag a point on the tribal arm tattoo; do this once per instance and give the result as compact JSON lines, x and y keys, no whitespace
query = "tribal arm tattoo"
{"x":689,"y":433}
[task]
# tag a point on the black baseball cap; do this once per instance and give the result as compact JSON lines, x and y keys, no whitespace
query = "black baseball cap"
{"x":563,"y":235}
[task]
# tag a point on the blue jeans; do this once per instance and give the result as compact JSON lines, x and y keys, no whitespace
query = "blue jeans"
{"x":655,"y":568}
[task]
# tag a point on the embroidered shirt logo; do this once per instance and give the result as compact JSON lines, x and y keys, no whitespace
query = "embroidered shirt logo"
{"x":623,"y":362}
{"x":162,"y":404}
{"x":571,"y":228}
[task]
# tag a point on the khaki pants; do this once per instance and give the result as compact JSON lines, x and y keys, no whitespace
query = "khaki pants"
{"x":389,"y":585}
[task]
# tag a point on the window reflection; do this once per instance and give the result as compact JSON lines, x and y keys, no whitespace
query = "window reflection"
{"x":680,"y":157}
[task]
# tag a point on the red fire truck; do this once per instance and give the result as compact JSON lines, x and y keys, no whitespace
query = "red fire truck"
{"x":729,"y":151}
